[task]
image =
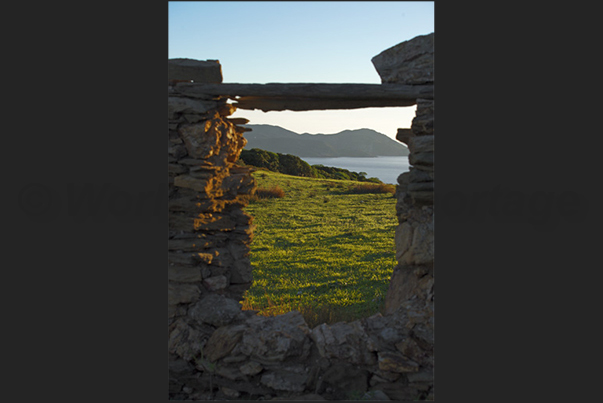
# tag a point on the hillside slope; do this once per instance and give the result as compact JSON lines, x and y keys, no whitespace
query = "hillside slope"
{"x":322,"y":249}
{"x":348,"y":143}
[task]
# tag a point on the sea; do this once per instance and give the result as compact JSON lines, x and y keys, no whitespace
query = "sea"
{"x":386,"y":169}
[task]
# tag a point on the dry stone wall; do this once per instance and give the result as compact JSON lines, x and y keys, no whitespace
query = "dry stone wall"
{"x":411,"y":63}
{"x":218,"y":351}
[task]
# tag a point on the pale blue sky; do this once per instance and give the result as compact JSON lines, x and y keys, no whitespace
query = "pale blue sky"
{"x":287,"y":42}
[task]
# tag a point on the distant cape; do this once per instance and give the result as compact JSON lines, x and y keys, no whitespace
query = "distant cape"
{"x":348,"y":143}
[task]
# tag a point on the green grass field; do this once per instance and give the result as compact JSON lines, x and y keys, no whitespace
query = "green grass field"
{"x":320,"y":249}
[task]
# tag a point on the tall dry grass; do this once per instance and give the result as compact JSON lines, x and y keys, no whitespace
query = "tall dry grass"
{"x":268,"y":193}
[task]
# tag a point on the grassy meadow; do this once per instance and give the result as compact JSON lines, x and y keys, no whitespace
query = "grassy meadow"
{"x":323,"y":247}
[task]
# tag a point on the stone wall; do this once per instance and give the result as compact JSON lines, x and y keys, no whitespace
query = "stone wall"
{"x":412,"y":63}
{"x":218,"y":351}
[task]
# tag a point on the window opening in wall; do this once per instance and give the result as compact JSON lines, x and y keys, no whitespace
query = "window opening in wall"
{"x":324,"y":237}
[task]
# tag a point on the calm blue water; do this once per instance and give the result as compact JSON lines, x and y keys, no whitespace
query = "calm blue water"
{"x":387,"y":169}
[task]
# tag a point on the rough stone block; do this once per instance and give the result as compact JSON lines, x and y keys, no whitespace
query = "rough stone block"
{"x":188,"y":105}
{"x":418,"y":176}
{"x":344,"y":341}
{"x":409,"y":62}
{"x":422,"y":123}
{"x":242,"y":272}
{"x":199,"y":71}
{"x":273,"y":339}
{"x":420,"y":187}
{"x":184,"y":341}
{"x":422,"y":159}
{"x":251,"y":368}
{"x":222,"y":341}
{"x":395,"y":362}
{"x":285,"y":381}
{"x":421,"y":144}
{"x":408,"y":282}
{"x":215,"y":310}
{"x":422,"y":198}
{"x":182,"y":293}
{"x":414,"y":238}
{"x":200,"y":141}
{"x":184,"y":274}
{"x":404,"y":135}
{"x":343,"y":380}
{"x":216,"y":283}
{"x":187,"y":258}
{"x":189,"y":182}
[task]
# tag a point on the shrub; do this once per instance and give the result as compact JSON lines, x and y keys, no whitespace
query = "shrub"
{"x":293,"y":165}
{"x":269,"y":193}
{"x":373,"y":188}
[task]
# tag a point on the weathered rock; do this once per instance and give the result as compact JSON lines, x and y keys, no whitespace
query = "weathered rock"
{"x":395,"y":362}
{"x":177,"y":151}
{"x":424,"y":376}
{"x":383,"y":377}
{"x":182,"y":293}
{"x":175,"y":169}
{"x":404,"y":178}
{"x":185,"y":341}
{"x":200,"y":140}
{"x":421,"y":144}
{"x":418,"y":176}
{"x":422,"y":197}
{"x":200,"y":71}
{"x":272,"y":339}
{"x":175,"y":310}
{"x":238,"y":184}
{"x":409,"y":62}
{"x":309,"y":396}
{"x":375,"y":395}
{"x":230,"y":392}
{"x":184,"y":274}
{"x":344,"y":341}
{"x":177,"y":365}
{"x":383,"y":332}
{"x":222,"y":341}
{"x":398,"y":391}
{"x":226,"y":109}
{"x":216,"y":283}
{"x":215,"y":310}
{"x":178,"y":105}
{"x":343,"y":381}
{"x":404,"y":135}
{"x":422,"y":123}
{"x":238,"y":121}
{"x":414,"y":241}
{"x":421,"y":159}
{"x":194,"y":117}
{"x":420,"y":187}
{"x":251,"y":368}
{"x":408,"y":282}
{"x":194,"y":243}
{"x":203,"y":222}
{"x":188,"y":258}
{"x":285,"y":381}
{"x":241,"y":272}
{"x":189,"y":182}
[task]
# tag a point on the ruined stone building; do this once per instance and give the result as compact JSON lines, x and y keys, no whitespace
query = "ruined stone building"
{"x":216,"y":350}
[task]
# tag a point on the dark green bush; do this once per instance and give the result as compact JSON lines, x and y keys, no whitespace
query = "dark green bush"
{"x":292,"y":165}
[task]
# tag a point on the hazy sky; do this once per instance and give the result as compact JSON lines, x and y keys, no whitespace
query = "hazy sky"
{"x":300,"y":42}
